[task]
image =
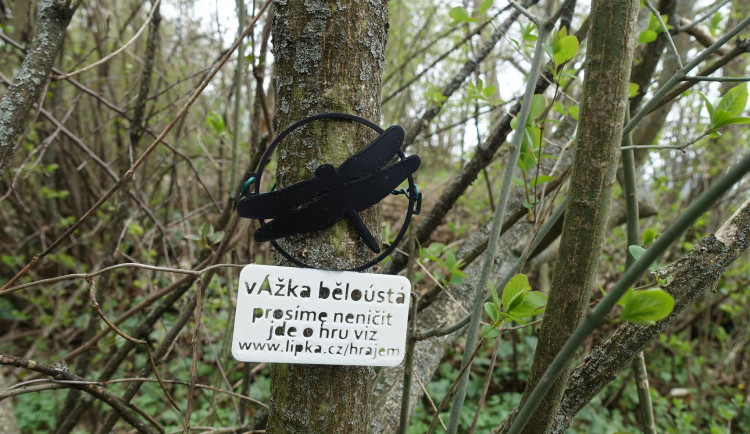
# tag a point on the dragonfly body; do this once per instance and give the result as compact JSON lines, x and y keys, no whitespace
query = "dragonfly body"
{"x":334,"y":193}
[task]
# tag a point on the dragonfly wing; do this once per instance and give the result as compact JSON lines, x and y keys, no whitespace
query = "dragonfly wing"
{"x":363,"y":193}
{"x":374,"y":156}
{"x":277,"y":203}
{"x":313,"y":217}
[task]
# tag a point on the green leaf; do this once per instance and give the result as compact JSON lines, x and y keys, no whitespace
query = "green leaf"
{"x":456,"y":279}
{"x":216,"y":122}
{"x":216,"y":237}
{"x":538,"y":103}
{"x":450,"y":260}
{"x":715,"y":20}
{"x":488,"y":331}
{"x":709,"y":106}
{"x":512,"y":318}
{"x":623,"y":301}
{"x":492,"y":312}
{"x":528,"y":33}
{"x":573,"y":112}
{"x":514,"y":291}
{"x":550,"y":52}
{"x":647,"y":36}
{"x":434,"y":249}
{"x":533,"y":304}
{"x":541,"y":179}
{"x":135,"y":229}
{"x":647,"y":306}
{"x":565,"y":49}
{"x":489,"y":91}
{"x":721,"y":118}
{"x":739,"y":120}
{"x":436,"y":96}
{"x":493,"y":292}
{"x":633,"y":89}
{"x":485,"y":6}
{"x":649,"y":235}
{"x":734,"y":100}
{"x":637,"y":252}
{"x":460,"y":15}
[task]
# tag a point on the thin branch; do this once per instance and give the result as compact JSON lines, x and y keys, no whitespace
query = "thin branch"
{"x":497,"y":220}
{"x":719,"y":79}
{"x":95,"y":304}
{"x":238,"y":73}
{"x":456,"y":383}
{"x":677,"y":147}
{"x":681,"y":73}
{"x":691,"y":275}
{"x":89,"y":276}
{"x":665,"y":30}
{"x":98,"y":309}
{"x":123,"y":113}
{"x":704,"y":17}
{"x":563,"y":9}
{"x":194,"y":350}
{"x":435,"y":62}
{"x":429,"y":399}
{"x":45,"y":384}
{"x":525,"y":12}
{"x":741,"y":47}
{"x":633,"y":238}
{"x":483,"y":155}
{"x":61,"y":372}
{"x":185,"y":314}
{"x":105,"y":59}
{"x":455,"y":83}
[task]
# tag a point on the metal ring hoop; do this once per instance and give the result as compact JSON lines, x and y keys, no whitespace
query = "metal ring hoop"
{"x":412,"y":188}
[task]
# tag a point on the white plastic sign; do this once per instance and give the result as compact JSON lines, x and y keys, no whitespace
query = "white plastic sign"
{"x":308,"y":316}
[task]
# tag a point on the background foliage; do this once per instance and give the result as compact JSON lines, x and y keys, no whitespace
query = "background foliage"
{"x":175,"y":212}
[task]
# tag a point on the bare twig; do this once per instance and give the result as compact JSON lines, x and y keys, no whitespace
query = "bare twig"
{"x":194,"y":348}
{"x":45,"y":384}
{"x":95,"y":304}
{"x":88,"y":276}
{"x":665,"y":30}
{"x":719,"y":79}
{"x":61,"y":372}
{"x":429,"y":398}
{"x":116,"y":52}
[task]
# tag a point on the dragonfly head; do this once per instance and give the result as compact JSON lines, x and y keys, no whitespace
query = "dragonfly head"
{"x":326,"y":173}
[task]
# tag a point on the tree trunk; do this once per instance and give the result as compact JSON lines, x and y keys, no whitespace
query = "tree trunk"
{"x":603,"y":104}
{"x":15,"y":106}
{"x":329,"y":58}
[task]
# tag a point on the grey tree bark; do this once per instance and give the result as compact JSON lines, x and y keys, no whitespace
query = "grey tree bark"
{"x":52,"y":19}
{"x":329,"y":58}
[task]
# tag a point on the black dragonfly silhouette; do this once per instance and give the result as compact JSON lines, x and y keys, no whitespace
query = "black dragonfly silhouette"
{"x":317,"y":203}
